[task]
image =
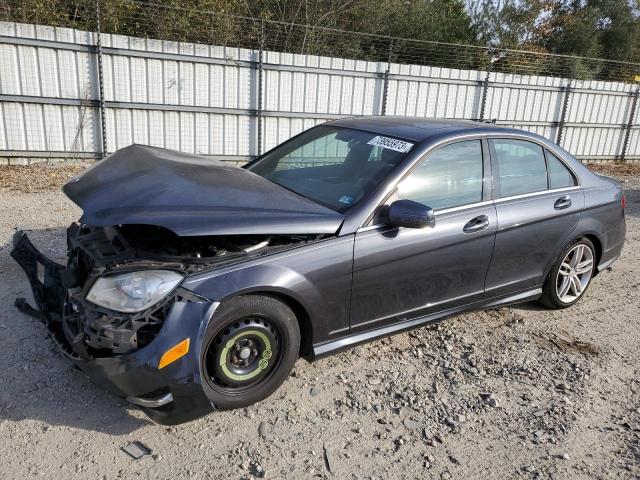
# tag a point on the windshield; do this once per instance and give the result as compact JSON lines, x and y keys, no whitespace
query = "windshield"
{"x":336,"y":167}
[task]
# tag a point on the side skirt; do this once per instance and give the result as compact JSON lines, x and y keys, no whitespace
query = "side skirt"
{"x":324,"y":349}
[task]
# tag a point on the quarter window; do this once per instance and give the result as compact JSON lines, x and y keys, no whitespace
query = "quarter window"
{"x":559,"y":174}
{"x":448,"y":177}
{"x":520,"y":167}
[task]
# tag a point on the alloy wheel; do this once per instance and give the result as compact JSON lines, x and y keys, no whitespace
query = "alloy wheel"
{"x":575,"y":273}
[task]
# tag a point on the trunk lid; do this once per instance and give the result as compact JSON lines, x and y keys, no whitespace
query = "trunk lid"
{"x":192,"y":196}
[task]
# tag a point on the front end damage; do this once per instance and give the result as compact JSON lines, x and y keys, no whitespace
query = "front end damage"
{"x":122,"y":350}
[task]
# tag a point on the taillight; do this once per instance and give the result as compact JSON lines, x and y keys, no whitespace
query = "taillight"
{"x":624,"y":202}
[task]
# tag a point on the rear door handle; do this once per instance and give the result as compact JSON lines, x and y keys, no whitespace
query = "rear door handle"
{"x":562,"y":202}
{"x":476,"y":224}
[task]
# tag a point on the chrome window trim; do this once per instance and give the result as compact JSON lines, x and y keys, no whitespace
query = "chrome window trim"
{"x":460,"y":208}
{"x":471,"y":206}
{"x":419,"y":162}
{"x":371,"y":227}
{"x":576,"y":179}
{"x":534,"y":194}
{"x":419,"y":156}
{"x":473,"y":136}
{"x":545,"y":148}
{"x":551,"y":147}
{"x":444,"y":211}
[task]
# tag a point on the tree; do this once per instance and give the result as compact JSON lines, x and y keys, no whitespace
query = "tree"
{"x":619,"y":23}
{"x":504,"y":28}
{"x":509,"y":24}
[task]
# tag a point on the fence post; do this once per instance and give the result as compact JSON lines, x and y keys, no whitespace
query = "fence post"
{"x":627,"y":133}
{"x":483,"y":99}
{"x":563,"y":112}
{"x":101,"y":105}
{"x":259,"y":84}
{"x":385,"y":85}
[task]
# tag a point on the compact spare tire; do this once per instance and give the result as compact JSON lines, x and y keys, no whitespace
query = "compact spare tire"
{"x":248,"y":350}
{"x":570,"y":276}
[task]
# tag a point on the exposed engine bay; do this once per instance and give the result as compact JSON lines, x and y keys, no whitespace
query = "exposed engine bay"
{"x":88,"y":329}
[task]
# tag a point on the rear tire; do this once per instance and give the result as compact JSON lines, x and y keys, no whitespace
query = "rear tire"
{"x":570,"y":276}
{"x":248,"y":350}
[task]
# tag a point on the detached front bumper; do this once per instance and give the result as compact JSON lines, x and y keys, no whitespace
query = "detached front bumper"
{"x":170,"y":395}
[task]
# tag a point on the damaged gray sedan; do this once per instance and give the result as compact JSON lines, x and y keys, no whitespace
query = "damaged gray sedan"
{"x":192,"y":285}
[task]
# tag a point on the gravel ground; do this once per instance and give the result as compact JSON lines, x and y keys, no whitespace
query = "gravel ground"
{"x":518,"y":392}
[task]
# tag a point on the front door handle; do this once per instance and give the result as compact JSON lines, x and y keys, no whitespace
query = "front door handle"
{"x":562,"y":202}
{"x":476,"y":224}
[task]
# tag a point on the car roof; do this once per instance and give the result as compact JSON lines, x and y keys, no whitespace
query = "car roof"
{"x":420,"y":129}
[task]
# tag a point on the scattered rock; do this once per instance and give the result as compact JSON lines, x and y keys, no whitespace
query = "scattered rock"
{"x":455,"y":420}
{"x":490,"y":399}
{"x":329,"y":458}
{"x":257,"y":470}
{"x":451,"y":422}
{"x":411,"y":424}
{"x":264,"y":429}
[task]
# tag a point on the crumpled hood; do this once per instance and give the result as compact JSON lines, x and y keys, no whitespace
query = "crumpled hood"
{"x":192,"y":195}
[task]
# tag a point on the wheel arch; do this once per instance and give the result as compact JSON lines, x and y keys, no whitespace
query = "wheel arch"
{"x":301,"y":312}
{"x":591,"y":236}
{"x":597,"y":245}
{"x":302,"y":316}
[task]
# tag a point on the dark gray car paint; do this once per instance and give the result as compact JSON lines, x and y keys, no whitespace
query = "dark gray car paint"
{"x":317,"y":277}
{"x":530,"y":231}
{"x":401,"y":278}
{"x":448,"y":269}
{"x":191,"y":196}
{"x":433,"y":268}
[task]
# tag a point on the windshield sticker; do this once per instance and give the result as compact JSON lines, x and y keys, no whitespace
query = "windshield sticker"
{"x":391,"y":144}
{"x":346,"y":200}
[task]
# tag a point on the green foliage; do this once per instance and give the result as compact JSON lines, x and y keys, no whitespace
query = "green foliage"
{"x":443,"y":31}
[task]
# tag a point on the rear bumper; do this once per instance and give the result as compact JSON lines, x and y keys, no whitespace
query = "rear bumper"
{"x":134,"y":375}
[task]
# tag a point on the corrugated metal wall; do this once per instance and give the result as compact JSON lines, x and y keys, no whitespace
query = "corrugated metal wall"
{"x":204,"y":99}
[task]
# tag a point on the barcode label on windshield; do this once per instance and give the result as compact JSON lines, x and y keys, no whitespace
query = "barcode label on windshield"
{"x":390,"y":143}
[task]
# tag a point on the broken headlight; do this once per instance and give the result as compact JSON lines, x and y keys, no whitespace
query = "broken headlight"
{"x":133,"y":291}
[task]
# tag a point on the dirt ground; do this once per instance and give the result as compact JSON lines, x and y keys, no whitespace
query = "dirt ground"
{"x":518,"y":392}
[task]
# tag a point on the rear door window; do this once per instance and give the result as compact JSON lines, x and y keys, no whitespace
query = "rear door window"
{"x":559,"y":174}
{"x":520,"y":167}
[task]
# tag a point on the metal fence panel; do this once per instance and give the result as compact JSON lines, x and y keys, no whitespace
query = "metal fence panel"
{"x":278,"y":129}
{"x":634,"y":144}
{"x":524,"y":98}
{"x":595,"y":143}
{"x":318,"y":84}
{"x":424,"y":91}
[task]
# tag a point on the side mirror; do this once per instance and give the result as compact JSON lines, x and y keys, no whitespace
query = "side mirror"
{"x":410,"y":214}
